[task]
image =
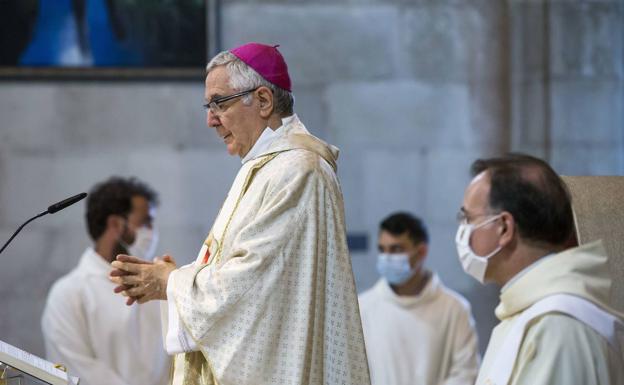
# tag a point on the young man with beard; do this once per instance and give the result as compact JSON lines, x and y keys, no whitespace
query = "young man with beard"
{"x":87,"y":327}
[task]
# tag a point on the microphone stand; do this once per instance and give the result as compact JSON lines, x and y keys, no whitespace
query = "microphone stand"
{"x":20,"y":229}
{"x":51,"y":210}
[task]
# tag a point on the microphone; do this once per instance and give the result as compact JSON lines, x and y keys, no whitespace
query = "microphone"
{"x":51,"y":210}
{"x":66,"y":202}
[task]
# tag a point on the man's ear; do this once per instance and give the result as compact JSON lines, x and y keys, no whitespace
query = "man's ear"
{"x":265,"y":99}
{"x":507,"y":228}
{"x":115,"y":223}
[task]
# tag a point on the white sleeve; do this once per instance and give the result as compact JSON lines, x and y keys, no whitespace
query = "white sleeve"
{"x":67,"y":342}
{"x":177,"y":339}
{"x":465,"y":360}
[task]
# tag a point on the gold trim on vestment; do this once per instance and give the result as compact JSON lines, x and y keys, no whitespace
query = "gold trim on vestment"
{"x":217,"y":257}
{"x":248,"y":180}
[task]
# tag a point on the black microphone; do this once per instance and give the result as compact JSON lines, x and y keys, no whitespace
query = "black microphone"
{"x":51,"y":210}
{"x":67,"y":202}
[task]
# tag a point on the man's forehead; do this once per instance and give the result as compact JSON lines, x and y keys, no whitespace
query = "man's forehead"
{"x":217,"y":82}
{"x":139,"y":202}
{"x":478,"y":190}
{"x":388,"y":238}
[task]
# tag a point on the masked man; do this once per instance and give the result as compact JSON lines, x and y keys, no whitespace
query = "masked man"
{"x":271,"y":297}
{"x":417,"y":331}
{"x":88,"y":328}
{"x":557,"y":325}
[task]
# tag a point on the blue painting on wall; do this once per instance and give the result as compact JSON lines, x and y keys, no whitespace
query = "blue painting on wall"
{"x":103,"y":33}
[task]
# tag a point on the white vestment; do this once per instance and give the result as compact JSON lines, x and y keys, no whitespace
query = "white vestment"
{"x":427,"y":339}
{"x":556,"y":348}
{"x":276,"y":302}
{"x":90,"y":330}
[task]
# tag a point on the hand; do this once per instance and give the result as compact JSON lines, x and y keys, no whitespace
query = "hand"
{"x":141,"y":280}
{"x":120,"y":273}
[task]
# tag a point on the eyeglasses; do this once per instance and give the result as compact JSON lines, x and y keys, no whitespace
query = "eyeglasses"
{"x":463,"y":217}
{"x":215,"y":105}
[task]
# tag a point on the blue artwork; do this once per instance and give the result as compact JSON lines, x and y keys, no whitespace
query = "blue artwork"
{"x":102,"y":33}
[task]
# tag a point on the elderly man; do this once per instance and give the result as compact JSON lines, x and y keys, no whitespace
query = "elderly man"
{"x":411,"y":314}
{"x":85,"y":326}
{"x":271,"y":297}
{"x":557,"y":325}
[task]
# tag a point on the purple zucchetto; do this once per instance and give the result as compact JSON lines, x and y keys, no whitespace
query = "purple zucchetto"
{"x":265,"y":60}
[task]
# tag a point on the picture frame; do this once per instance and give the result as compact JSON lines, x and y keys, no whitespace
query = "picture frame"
{"x":107,"y":39}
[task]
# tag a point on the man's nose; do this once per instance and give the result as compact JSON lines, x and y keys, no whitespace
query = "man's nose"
{"x":212,"y":119}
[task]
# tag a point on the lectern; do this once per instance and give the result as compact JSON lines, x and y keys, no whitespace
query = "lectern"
{"x":18,"y":367}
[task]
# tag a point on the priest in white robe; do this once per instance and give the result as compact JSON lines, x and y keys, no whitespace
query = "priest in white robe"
{"x":86,"y":327}
{"x":417,"y":330}
{"x":271,"y":297}
{"x":557,"y":326}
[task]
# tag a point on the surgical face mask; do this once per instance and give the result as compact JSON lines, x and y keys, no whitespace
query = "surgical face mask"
{"x":144,"y":245}
{"x":473,"y":264}
{"x":395,"y":268}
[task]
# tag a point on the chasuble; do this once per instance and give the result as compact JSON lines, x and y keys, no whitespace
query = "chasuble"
{"x":271,"y":298}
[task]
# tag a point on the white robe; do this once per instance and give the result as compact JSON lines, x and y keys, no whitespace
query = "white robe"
{"x":90,"y":330}
{"x":276,"y":303}
{"x":428,"y":339}
{"x":558,"y":349}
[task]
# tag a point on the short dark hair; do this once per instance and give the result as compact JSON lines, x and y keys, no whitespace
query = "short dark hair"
{"x":532,"y":192}
{"x":401,"y":222}
{"x":114,"y":197}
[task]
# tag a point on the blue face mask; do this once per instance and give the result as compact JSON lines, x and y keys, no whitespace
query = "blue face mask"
{"x":395,"y":268}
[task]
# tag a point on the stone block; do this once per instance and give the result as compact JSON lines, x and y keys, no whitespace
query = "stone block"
{"x":393,"y":181}
{"x":312,"y":110}
{"x":364,"y":270}
{"x":586,"y":39}
{"x":21,"y":326}
{"x":322,"y":43}
{"x":528,"y":40}
{"x":587,"y":112}
{"x":78,"y":116}
{"x":453,"y":42}
{"x":583,"y":159}
{"x":30,"y":266}
{"x":400,"y":114}
{"x":447,"y":173}
{"x":182,"y":242}
{"x":192,"y":184}
{"x":351,"y":175}
{"x":529,"y":116}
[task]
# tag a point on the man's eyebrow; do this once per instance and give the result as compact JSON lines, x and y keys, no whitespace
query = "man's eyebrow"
{"x":214,"y":97}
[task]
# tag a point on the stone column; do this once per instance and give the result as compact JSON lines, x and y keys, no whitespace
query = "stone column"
{"x":567,"y":83}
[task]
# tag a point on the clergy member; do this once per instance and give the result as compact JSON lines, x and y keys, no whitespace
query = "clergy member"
{"x":557,"y":326}
{"x":270,"y":298}
{"x":417,"y":331}
{"x":86,"y":327}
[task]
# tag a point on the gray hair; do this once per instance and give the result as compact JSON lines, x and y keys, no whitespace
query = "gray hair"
{"x":243,"y":77}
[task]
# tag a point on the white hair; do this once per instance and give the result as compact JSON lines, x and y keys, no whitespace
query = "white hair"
{"x":243,"y":77}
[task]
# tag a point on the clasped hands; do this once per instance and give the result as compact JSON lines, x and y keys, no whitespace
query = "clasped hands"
{"x":141,"y":280}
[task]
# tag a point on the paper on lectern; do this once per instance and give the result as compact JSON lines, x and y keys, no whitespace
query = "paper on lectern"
{"x":34,"y":366}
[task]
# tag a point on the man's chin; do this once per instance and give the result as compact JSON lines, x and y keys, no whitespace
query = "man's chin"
{"x":234,"y":151}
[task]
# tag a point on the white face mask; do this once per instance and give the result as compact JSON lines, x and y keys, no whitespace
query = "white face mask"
{"x":395,"y":268}
{"x":473,"y":264}
{"x":145,"y":243}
